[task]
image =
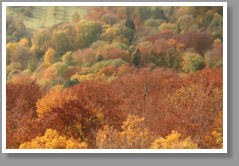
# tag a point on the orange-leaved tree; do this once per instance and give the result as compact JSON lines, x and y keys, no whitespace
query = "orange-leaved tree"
{"x":22,"y":125}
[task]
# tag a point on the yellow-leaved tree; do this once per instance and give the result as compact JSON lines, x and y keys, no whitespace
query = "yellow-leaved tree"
{"x":174,"y":141}
{"x":132,"y":136}
{"x":214,"y":139}
{"x":49,"y":57}
{"x":53,"y":140}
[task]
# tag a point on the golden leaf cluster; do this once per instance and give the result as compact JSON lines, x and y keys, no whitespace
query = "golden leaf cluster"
{"x":52,"y":140}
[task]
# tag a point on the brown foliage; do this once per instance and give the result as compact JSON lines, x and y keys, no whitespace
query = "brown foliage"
{"x":95,"y":13}
{"x":200,"y":41}
{"x":161,"y":35}
{"x":118,"y":91}
{"x":85,"y":56}
{"x":143,"y":93}
{"x":80,"y":110}
{"x":195,"y":105}
{"x":22,"y":96}
{"x":115,"y":53}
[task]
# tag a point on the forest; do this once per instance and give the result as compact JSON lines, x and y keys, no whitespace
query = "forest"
{"x":125,"y":77}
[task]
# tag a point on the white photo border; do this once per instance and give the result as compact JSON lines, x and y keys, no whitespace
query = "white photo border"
{"x":5,"y":150}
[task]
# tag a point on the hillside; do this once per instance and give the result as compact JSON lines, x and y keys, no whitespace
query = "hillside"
{"x":114,"y":77}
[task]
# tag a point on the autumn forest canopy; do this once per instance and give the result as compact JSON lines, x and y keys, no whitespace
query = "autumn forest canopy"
{"x":114,"y":77}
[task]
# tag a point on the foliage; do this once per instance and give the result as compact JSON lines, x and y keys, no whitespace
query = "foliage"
{"x":130,"y":24}
{"x":192,"y":62}
{"x":201,"y":100}
{"x":110,"y":19}
{"x":115,"y":62}
{"x":114,"y":77}
{"x":214,"y":56}
{"x":61,"y":41}
{"x":168,"y":26}
{"x":214,"y":139}
{"x":21,"y":106}
{"x":174,"y":141}
{"x":90,"y":32}
{"x":152,"y":22}
{"x":18,"y":53}
{"x":41,"y":39}
{"x":16,"y":29}
{"x":144,"y":13}
{"x":132,"y":136}
{"x":128,"y":33}
{"x":97,"y":44}
{"x":185,"y":23}
{"x":68,"y":83}
{"x":50,"y":56}
{"x":110,"y":34}
{"x":159,"y":13}
{"x":68,"y":58}
{"x":136,"y":58}
{"x":52,"y":140}
{"x":200,"y":41}
{"x":85,"y":56}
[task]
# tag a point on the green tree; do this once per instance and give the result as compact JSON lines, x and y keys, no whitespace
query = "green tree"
{"x":68,"y":83}
{"x":128,"y":33}
{"x":41,"y":39}
{"x":110,"y":19}
{"x":130,"y":24}
{"x":68,"y":58}
{"x":100,"y":58}
{"x":185,"y":23}
{"x":152,"y":22}
{"x":159,"y":14}
{"x":32,"y":63}
{"x":136,"y":58}
{"x":61,"y":41}
{"x":192,"y":62}
{"x":144,"y":12}
{"x":90,"y":32}
{"x":216,"y":25}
